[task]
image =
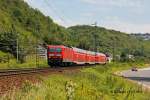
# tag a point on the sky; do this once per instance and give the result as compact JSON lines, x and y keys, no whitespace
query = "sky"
{"x":131,"y":16}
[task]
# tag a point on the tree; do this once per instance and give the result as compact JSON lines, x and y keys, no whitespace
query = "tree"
{"x":8,"y":42}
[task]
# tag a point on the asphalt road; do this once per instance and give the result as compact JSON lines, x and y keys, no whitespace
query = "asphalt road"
{"x":142,"y":76}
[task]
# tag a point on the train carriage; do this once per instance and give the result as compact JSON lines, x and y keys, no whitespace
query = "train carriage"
{"x":59,"y":55}
{"x":102,"y":59}
{"x":79,"y":56}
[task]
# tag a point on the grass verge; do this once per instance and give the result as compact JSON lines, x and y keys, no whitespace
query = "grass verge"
{"x":95,"y":83}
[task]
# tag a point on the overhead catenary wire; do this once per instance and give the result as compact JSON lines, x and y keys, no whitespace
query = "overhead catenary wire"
{"x":60,"y":16}
{"x":67,"y":18}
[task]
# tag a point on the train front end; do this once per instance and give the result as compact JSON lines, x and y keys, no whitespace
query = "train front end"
{"x":54,"y":55}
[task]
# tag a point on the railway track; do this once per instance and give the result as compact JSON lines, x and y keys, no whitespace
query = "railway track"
{"x":10,"y":78}
{"x":10,"y":72}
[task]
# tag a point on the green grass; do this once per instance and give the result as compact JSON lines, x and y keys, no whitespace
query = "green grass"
{"x":30,"y":62}
{"x":96,"y":83}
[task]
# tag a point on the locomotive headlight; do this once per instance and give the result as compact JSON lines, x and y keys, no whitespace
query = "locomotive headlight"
{"x":58,"y":55}
{"x":51,"y":54}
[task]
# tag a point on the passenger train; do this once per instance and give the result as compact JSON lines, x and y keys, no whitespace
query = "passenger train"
{"x":60,"y":55}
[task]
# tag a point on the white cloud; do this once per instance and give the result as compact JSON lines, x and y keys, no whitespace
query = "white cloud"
{"x":111,"y":22}
{"x":129,"y":27}
{"x":124,"y":26}
{"x":117,"y":3}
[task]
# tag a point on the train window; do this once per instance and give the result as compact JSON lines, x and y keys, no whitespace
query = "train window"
{"x":51,"y":50}
{"x":58,"y":49}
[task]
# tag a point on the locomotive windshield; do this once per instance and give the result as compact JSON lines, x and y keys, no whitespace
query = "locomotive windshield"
{"x":55,"y":50}
{"x":58,"y":50}
{"x":51,"y":50}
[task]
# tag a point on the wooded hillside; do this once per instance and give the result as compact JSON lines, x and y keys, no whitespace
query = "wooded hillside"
{"x":20,"y":21}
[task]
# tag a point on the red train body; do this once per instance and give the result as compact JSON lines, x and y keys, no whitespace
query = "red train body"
{"x":60,"y":55}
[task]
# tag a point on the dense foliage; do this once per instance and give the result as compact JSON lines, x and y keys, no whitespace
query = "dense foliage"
{"x":28,"y":21}
{"x":29,"y":25}
{"x":108,"y":41}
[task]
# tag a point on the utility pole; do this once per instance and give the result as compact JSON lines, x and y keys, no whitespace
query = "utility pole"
{"x":36,"y":51}
{"x":113,"y":49}
{"x":95,"y":38}
{"x":8,"y":60}
{"x":17,"y":49}
{"x":36,"y":47}
{"x":17,"y":42}
{"x":142,"y":50}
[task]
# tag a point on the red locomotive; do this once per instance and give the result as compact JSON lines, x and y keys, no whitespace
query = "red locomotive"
{"x":59,"y":55}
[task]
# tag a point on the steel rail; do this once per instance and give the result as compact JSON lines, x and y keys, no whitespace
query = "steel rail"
{"x":10,"y":72}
